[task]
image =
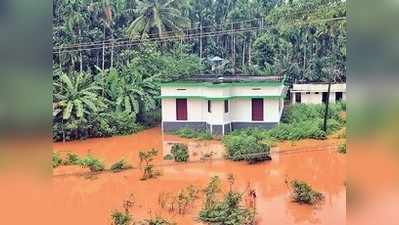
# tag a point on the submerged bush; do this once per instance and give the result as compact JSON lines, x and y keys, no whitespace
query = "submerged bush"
{"x":227,"y":211}
{"x":298,"y":131}
{"x":303,"y":193}
{"x":119,"y":166}
{"x":342,"y":148}
{"x":241,"y":146}
{"x":157,"y":221}
{"x":190,"y":133}
{"x":92,"y":163}
{"x":56,"y":160}
{"x":168,"y":157}
{"x":120,"y":218}
{"x":180,"y":152}
{"x":71,"y":159}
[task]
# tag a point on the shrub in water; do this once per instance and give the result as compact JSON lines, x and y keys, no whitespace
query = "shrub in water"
{"x":180,"y":152}
{"x":56,"y":160}
{"x":119,"y":166}
{"x":92,"y":163}
{"x":120,"y":218}
{"x":303,"y":193}
{"x":168,"y":157}
{"x":244,"y":147}
{"x":71,"y":159}
{"x":190,"y":133}
{"x":157,"y":221}
{"x":342,"y":148}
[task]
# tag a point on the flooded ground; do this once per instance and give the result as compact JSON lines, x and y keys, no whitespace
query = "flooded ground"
{"x":82,"y":199}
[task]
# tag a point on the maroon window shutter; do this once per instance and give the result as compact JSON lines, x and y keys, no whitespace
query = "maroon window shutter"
{"x":181,"y":109}
{"x":257,"y":109}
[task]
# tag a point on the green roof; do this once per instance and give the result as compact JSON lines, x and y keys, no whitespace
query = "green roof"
{"x":222,"y":98}
{"x":217,"y":85}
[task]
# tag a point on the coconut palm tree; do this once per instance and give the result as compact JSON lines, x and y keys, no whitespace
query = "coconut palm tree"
{"x":156,"y":17}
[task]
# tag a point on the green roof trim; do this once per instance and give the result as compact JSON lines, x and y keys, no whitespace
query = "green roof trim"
{"x":221,"y":98}
{"x":217,"y":85}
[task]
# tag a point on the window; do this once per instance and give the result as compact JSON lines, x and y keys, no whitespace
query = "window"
{"x":209,"y":106}
{"x":226,"y":106}
{"x":317,"y":93}
{"x":181,"y":109}
{"x":308,"y":93}
{"x":298,"y":97}
{"x":181,"y":89}
{"x":257,"y":109}
{"x":338,"y":96}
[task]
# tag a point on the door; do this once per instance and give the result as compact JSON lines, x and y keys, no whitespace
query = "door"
{"x":338,"y":96}
{"x":298,"y":96}
{"x":324,"y":98}
{"x":181,"y":109}
{"x":257,"y":109}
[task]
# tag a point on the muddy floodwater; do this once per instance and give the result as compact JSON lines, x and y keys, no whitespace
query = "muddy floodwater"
{"x":81,"y":199}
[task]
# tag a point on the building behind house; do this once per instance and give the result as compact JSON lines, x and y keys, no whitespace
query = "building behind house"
{"x":317,"y":93}
{"x":222,"y":104}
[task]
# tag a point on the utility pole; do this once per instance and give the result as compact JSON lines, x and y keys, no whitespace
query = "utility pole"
{"x":327,"y":103}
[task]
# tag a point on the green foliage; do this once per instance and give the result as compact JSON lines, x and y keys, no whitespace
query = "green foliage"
{"x":168,"y":157}
{"x":303,"y":193}
{"x":95,"y":165}
{"x":157,"y":221}
{"x":298,"y":131}
{"x":190,"y":133}
{"x":342,"y":148}
{"x":245,"y":146}
{"x":120,"y":165}
{"x":121,"y":218}
{"x":56,"y":160}
{"x":227,"y":212}
{"x":180,"y":152}
{"x":147,"y":157}
{"x":71,"y":159}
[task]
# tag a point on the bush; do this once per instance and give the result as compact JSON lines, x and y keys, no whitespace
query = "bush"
{"x":120,"y":218}
{"x":168,"y":157}
{"x":227,"y":211}
{"x":297,"y":131}
{"x":92,"y":163}
{"x":122,"y":123}
{"x":56,"y":160}
{"x":303,"y":193}
{"x":241,"y":146}
{"x":157,"y":221}
{"x":180,"y":152}
{"x":342,"y":148}
{"x":190,"y":133}
{"x":119,"y":166}
{"x":71,"y":159}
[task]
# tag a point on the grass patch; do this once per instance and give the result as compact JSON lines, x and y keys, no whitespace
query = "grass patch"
{"x":193,"y":134}
{"x":180,"y":152}
{"x":303,"y":193}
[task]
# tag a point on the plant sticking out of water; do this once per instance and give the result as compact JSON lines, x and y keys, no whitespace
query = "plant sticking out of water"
{"x":71,"y":159}
{"x":227,"y":211}
{"x":147,"y":157}
{"x":95,"y":165}
{"x":231,"y":180}
{"x":213,"y":188}
{"x":180,"y":152}
{"x":120,"y":165}
{"x":303,"y":193}
{"x":342,"y":148}
{"x":124,"y":218}
{"x":156,"y":221}
{"x":56,"y":160}
{"x":179,"y":202}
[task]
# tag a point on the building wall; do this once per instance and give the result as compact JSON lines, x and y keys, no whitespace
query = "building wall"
{"x":314,"y":98}
{"x":242,"y":110}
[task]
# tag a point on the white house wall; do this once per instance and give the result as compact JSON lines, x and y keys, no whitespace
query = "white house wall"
{"x":242,"y":110}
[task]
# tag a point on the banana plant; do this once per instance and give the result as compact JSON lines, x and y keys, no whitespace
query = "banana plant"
{"x":75,"y":96}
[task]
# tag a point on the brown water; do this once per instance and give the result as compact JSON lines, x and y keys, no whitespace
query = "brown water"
{"x":83,"y":200}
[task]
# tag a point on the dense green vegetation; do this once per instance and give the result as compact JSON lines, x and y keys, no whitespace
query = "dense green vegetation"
{"x":245,"y":146}
{"x":226,"y":211}
{"x":190,"y":133}
{"x":180,"y":152}
{"x":303,"y":193}
{"x":110,"y":56}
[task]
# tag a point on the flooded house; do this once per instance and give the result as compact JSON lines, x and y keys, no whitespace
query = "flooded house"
{"x":317,"y":93}
{"x":220,"y":104}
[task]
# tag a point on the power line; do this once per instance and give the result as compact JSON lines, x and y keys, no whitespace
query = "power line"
{"x":101,"y":42}
{"x":129,"y":43}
